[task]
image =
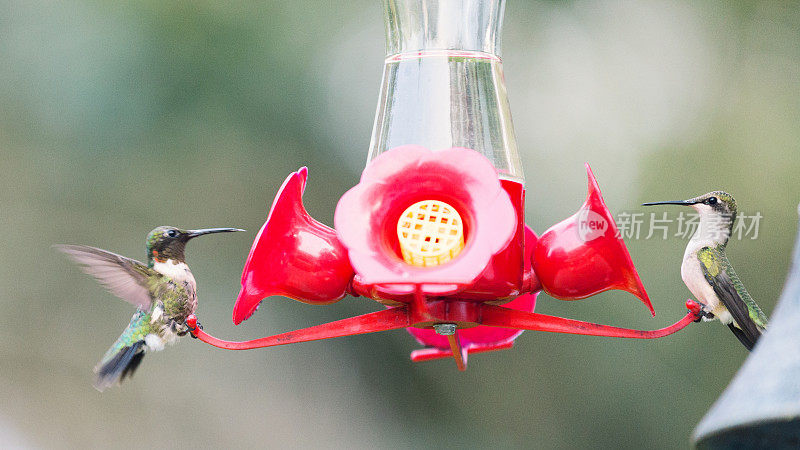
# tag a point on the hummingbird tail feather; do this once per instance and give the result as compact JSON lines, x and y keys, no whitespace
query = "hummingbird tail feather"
{"x":747,"y":339}
{"x":123,"y":363}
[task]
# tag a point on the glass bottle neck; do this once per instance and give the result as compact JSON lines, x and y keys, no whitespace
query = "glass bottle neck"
{"x":421,"y":25}
{"x":443,"y":82}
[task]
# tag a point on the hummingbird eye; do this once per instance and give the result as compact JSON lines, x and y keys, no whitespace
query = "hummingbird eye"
{"x":712,"y":201}
{"x":172,"y":233}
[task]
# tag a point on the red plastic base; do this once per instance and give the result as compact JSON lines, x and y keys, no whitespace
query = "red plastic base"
{"x":463,"y":314}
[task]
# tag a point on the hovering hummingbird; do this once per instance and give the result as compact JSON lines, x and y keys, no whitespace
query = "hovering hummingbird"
{"x":708,"y":273}
{"x":163,"y":290}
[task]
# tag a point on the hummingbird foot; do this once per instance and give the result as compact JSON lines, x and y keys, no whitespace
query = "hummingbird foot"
{"x":705,"y":314}
{"x":190,"y":331}
{"x":191,"y":325}
{"x":179,"y":328}
{"x":700,"y":311}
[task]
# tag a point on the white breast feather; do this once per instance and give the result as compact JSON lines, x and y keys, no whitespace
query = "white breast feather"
{"x":156,"y":343}
{"x":695,"y":280}
{"x":179,"y":272}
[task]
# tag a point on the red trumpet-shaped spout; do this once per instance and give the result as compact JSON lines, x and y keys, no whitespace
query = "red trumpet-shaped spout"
{"x":293,"y":255}
{"x":584,"y":254}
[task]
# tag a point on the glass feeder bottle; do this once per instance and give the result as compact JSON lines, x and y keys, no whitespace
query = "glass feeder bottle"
{"x":443,"y":87}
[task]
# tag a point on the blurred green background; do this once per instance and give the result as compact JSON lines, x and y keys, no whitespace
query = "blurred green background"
{"x":116,"y":117}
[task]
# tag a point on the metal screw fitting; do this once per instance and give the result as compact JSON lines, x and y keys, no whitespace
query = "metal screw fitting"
{"x":445,"y":329}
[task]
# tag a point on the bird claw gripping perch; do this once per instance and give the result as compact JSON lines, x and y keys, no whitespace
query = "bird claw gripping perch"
{"x":193,"y":325}
{"x":698,"y":309}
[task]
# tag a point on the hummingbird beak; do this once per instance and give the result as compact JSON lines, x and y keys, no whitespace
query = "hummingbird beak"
{"x":194,"y":233}
{"x":672,"y":202}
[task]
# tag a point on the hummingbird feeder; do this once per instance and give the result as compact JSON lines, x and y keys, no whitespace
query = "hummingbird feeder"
{"x":434,"y":230}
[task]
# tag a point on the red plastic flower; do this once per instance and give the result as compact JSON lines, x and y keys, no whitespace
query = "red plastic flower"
{"x":367,"y":215}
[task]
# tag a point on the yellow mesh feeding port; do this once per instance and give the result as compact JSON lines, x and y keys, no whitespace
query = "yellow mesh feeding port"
{"x":431,"y":233}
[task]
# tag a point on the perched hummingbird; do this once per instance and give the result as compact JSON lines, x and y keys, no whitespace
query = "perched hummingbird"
{"x":163,"y":290}
{"x":709,"y":275}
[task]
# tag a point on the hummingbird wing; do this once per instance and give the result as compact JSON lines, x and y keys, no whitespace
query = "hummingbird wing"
{"x":731,"y":292}
{"x":124,"y":277}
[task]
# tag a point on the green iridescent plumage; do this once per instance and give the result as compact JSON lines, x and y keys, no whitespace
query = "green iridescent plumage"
{"x":137,"y":329}
{"x":716,"y":267}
